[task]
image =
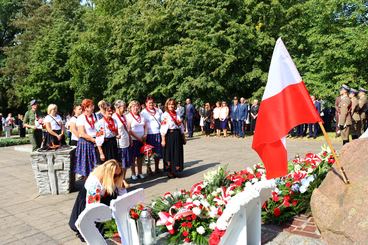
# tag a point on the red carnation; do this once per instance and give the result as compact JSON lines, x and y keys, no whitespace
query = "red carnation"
{"x":276,"y":212}
{"x":288,"y":184}
{"x":97,"y":197}
{"x":90,"y":199}
{"x":187,"y":239}
{"x":258,"y":175}
{"x":183,"y":224}
{"x":185,"y":233}
{"x":194,"y":216}
{"x":275,"y":197}
{"x":171,"y":232}
{"x":133,"y":214}
{"x":294,"y":202}
{"x":189,"y":225}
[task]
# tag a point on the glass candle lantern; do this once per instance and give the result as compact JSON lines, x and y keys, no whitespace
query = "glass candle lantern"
{"x":146,"y":228}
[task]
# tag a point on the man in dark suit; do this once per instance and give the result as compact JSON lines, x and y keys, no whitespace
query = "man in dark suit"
{"x":235,"y":116}
{"x":189,"y":116}
{"x":243,"y":115}
{"x":313,"y":127}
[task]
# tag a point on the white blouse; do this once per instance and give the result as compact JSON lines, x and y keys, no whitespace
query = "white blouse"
{"x":73,"y":119}
{"x":224,"y":113}
{"x":103,"y":129}
{"x":95,"y":190}
{"x":124,"y":141}
{"x":55,"y":122}
{"x":216,"y":113}
{"x":168,"y":123}
{"x":81,"y":121}
{"x":136,"y":126}
{"x":153,"y":122}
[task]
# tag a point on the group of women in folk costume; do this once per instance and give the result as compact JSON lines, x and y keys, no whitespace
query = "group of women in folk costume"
{"x":120,"y":135}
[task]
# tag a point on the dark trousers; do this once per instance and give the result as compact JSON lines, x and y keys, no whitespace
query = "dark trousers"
{"x":190,"y":127}
{"x":253,"y":125}
{"x":300,"y":131}
{"x":241,"y":128}
{"x":36,"y":139}
{"x":313,"y":129}
{"x":235,"y":127}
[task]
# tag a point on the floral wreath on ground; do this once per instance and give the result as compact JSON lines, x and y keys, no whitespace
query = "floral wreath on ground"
{"x":193,"y":216}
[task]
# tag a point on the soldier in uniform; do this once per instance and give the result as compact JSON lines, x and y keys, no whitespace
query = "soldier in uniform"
{"x":344,"y":115}
{"x":32,"y":120}
{"x":337,"y":114}
{"x":363,"y":107}
{"x":356,"y":128}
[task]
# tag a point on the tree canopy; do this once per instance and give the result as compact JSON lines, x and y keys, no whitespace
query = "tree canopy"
{"x":61,"y":51}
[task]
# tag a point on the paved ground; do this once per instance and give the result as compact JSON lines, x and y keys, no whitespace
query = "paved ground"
{"x":27,"y":218}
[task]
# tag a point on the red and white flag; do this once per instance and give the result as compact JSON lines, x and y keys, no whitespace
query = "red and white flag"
{"x":286,"y":104}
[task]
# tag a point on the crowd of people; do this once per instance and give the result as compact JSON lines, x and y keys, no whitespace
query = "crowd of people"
{"x":7,"y":124}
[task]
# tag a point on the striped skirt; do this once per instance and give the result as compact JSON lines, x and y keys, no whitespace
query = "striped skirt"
{"x":86,"y":157}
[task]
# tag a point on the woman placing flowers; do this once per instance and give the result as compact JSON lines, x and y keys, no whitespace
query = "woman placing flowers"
{"x":86,"y":157}
{"x":137,"y":129}
{"x":102,"y":185}
{"x":107,"y":130}
{"x":173,"y":139}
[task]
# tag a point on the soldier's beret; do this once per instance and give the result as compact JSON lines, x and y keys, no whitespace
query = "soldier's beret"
{"x":363,"y":90}
{"x":33,"y":102}
{"x":345,"y":87}
{"x":354,"y":91}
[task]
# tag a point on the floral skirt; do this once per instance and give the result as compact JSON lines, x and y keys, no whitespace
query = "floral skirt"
{"x":86,"y":157}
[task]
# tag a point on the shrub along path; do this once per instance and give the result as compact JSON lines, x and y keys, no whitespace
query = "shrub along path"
{"x":28,"y":218}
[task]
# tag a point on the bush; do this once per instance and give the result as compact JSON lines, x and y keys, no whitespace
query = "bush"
{"x":13,"y":141}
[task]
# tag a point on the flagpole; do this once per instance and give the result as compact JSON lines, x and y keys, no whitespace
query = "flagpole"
{"x":345,"y":178}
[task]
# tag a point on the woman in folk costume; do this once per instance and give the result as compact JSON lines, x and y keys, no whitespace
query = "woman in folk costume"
{"x":173,"y":139}
{"x":152,"y":116}
{"x":124,"y":137}
{"x":104,"y":184}
{"x":107,"y":132}
{"x":137,"y":129}
{"x":86,"y":156}
{"x":54,"y":127}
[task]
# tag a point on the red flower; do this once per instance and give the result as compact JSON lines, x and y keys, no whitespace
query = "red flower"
{"x":276,"y":212}
{"x":189,"y":218}
{"x":264,"y":205}
{"x":171,"y":232}
{"x":140,"y":207}
{"x":178,"y":204}
{"x":215,"y":237}
{"x":275,"y":197}
{"x":286,"y":203}
{"x":258,"y":175}
{"x":189,"y":225}
{"x":185,"y":233}
{"x":183,"y":224}
{"x":98,"y":190}
{"x":219,"y":211}
{"x":187,"y":239}
{"x":97,"y":197}
{"x":288,"y":184}
{"x":324,"y":153}
{"x":194,"y":216}
{"x":294,"y":202}
{"x":133,"y":214}
{"x":331,"y":160}
{"x":90,"y":199}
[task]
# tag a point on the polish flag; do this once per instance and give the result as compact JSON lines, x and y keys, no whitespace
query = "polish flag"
{"x":286,"y":104}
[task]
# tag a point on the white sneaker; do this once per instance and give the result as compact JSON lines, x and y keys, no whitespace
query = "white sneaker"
{"x":141,"y":176}
{"x":134,"y":177}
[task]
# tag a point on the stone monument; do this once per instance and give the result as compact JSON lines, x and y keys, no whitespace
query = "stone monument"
{"x":339,"y":210}
{"x":52,"y":170}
